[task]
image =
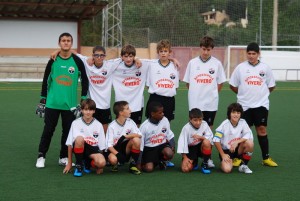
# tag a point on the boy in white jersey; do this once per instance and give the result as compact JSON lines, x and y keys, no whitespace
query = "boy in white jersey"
{"x":123,"y":139}
{"x":195,"y":141}
{"x":204,"y":77}
{"x":163,"y":80}
{"x":87,"y":140}
{"x":253,"y":81}
{"x":129,"y":82}
{"x":157,"y":143}
{"x":234,"y":139}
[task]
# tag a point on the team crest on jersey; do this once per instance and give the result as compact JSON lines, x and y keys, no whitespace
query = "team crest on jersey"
{"x":262,"y":73}
{"x":211,"y":71}
{"x":164,"y":130}
{"x":128,"y":131}
{"x":71,"y":69}
{"x":104,"y":72}
{"x":172,"y":76}
{"x":138,"y":73}
{"x":95,"y":134}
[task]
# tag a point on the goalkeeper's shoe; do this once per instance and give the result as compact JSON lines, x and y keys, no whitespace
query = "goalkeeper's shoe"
{"x":236,"y":162}
{"x":78,"y":171}
{"x":269,"y":162}
{"x":40,"y":162}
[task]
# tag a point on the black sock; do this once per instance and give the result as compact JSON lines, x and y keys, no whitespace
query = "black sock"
{"x":79,"y":156}
{"x":264,"y":146}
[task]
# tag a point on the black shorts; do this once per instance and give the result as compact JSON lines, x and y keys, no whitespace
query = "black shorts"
{"x":195,"y":152}
{"x":256,"y":116}
{"x":233,"y":155}
{"x":104,"y":116}
{"x":154,"y":154}
{"x":121,"y":149}
{"x":137,"y":116}
{"x":89,"y":150}
{"x":167,"y":102}
{"x":209,"y":117}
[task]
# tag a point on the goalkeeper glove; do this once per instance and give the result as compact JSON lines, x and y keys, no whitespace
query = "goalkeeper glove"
{"x":76,"y":111}
{"x":40,"y":110}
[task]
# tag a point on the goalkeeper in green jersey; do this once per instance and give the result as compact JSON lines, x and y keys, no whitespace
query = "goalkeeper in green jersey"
{"x":59,"y":94}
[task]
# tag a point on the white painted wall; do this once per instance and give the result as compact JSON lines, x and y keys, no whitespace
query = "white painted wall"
{"x":34,"y":34}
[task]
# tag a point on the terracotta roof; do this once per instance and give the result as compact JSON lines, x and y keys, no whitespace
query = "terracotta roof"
{"x":72,"y":10}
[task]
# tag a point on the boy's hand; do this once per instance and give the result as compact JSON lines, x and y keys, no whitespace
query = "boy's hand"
{"x":138,"y":62}
{"x":67,"y":168}
{"x":233,"y":146}
{"x":90,"y":61}
{"x":54,"y":54}
{"x":226,"y":158}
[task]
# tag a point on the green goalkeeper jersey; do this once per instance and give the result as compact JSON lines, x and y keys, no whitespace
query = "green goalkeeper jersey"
{"x":61,"y":80}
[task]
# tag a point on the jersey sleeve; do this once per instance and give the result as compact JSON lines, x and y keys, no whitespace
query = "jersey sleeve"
{"x":208,"y":134}
{"x":182,"y":146}
{"x":221,"y":78}
{"x":234,"y":80}
{"x":46,"y":80}
{"x":83,"y":76}
{"x":270,"y":78}
{"x":69,"y":141}
{"x":218,"y":135}
{"x":143,"y":138}
{"x":186,"y":77}
{"x":102,"y":140}
{"x":109,"y":137}
{"x":246,"y":132}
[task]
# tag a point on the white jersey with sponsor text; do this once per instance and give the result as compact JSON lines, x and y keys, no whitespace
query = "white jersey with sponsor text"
{"x":162,"y":80}
{"x":186,"y":136}
{"x":92,"y":133}
{"x":116,"y":130}
{"x":253,"y":84}
{"x":226,"y":133}
{"x":155,"y":134}
{"x":203,"y":78}
{"x":100,"y":81}
{"x":129,"y":84}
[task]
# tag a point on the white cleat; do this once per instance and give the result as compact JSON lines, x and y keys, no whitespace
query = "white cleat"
{"x":40,"y":162}
{"x":64,"y":162}
{"x":245,"y":169}
{"x":210,"y":163}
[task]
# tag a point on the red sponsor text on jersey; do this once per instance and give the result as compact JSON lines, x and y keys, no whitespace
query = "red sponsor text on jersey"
{"x":254,"y":80}
{"x":157,"y":139}
{"x":131,"y":81}
{"x":204,"y":79}
{"x":64,"y":80}
{"x":91,"y":141}
{"x":195,"y":142}
{"x":97,"y":79}
{"x":233,"y":140}
{"x":164,"y":83}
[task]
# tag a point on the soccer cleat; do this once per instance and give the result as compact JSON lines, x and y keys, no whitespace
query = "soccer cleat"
{"x":134,"y":170}
{"x":205,"y":169}
{"x":196,"y":167}
{"x":162,"y":165}
{"x":170,"y":164}
{"x":269,"y":162}
{"x":245,"y":169}
{"x":210,"y":163}
{"x":87,"y":170}
{"x":40,"y":162}
{"x":236,"y":162}
{"x":114,"y":168}
{"x":64,"y":162}
{"x":78,"y":171}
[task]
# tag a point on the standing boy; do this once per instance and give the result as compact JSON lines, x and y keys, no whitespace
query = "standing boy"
{"x":123,"y":139}
{"x":87,"y":140}
{"x":129,"y":82}
{"x":234,"y":139}
{"x":158,"y":143}
{"x":195,"y":141}
{"x":59,"y":93}
{"x":204,"y":79}
{"x":253,"y":81}
{"x":163,"y":80}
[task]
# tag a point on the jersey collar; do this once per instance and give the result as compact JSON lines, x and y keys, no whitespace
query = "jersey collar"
{"x":204,"y":61}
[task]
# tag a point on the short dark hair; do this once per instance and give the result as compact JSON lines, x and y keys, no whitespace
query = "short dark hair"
{"x":119,"y":107}
{"x":65,"y":34}
{"x":253,"y":47}
{"x":195,"y":113}
{"x":99,"y":48}
{"x":153,"y":107}
{"x":128,"y":49}
{"x":207,"y":41}
{"x":165,"y":43}
{"x":89,"y":103}
{"x":234,"y":107}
